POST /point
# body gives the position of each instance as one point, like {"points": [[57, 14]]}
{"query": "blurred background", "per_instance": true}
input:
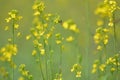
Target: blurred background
{"points": [[80, 11]]}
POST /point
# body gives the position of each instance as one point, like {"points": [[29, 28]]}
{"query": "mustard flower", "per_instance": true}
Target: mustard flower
{"points": [[77, 69], [13, 15], [65, 25], [99, 47], [95, 66], [18, 34], [58, 76], [25, 73], [38, 8], [59, 38], [78, 74], [100, 22], [8, 51], [102, 67], [112, 64], [101, 37], [34, 52], [70, 25], [69, 39], [28, 37]]}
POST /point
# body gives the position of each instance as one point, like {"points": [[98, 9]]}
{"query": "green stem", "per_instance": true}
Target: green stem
{"points": [[50, 58], [46, 67], [60, 65], [46, 64], [41, 68], [114, 32], [51, 63], [13, 42], [87, 40], [105, 53], [115, 44]]}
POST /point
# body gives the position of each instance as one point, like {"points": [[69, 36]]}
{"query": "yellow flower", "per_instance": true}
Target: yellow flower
{"points": [[99, 47], [8, 51], [102, 67], [34, 7], [58, 41], [100, 23], [13, 15], [77, 69], [18, 34], [106, 30], [72, 70], [58, 76], [74, 28], [42, 51], [69, 39], [28, 37], [48, 35], [36, 13], [113, 69], [57, 18], [38, 7], [57, 35], [94, 65], [34, 52], [25, 73], [78, 74], [65, 25], [105, 41], [103, 10], [2, 49], [97, 38], [94, 70], [19, 17], [110, 24], [8, 20], [16, 26], [7, 56]]}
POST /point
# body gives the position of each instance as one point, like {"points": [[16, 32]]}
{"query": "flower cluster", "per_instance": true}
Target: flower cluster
{"points": [[107, 9], [77, 69], [59, 38], [25, 73], [106, 12], [70, 25], [112, 64], [101, 37], [38, 8], [13, 18], [44, 26], [44, 31], [7, 52], [58, 77]]}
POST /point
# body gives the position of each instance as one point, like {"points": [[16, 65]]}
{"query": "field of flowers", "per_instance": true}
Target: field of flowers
{"points": [[60, 40]]}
